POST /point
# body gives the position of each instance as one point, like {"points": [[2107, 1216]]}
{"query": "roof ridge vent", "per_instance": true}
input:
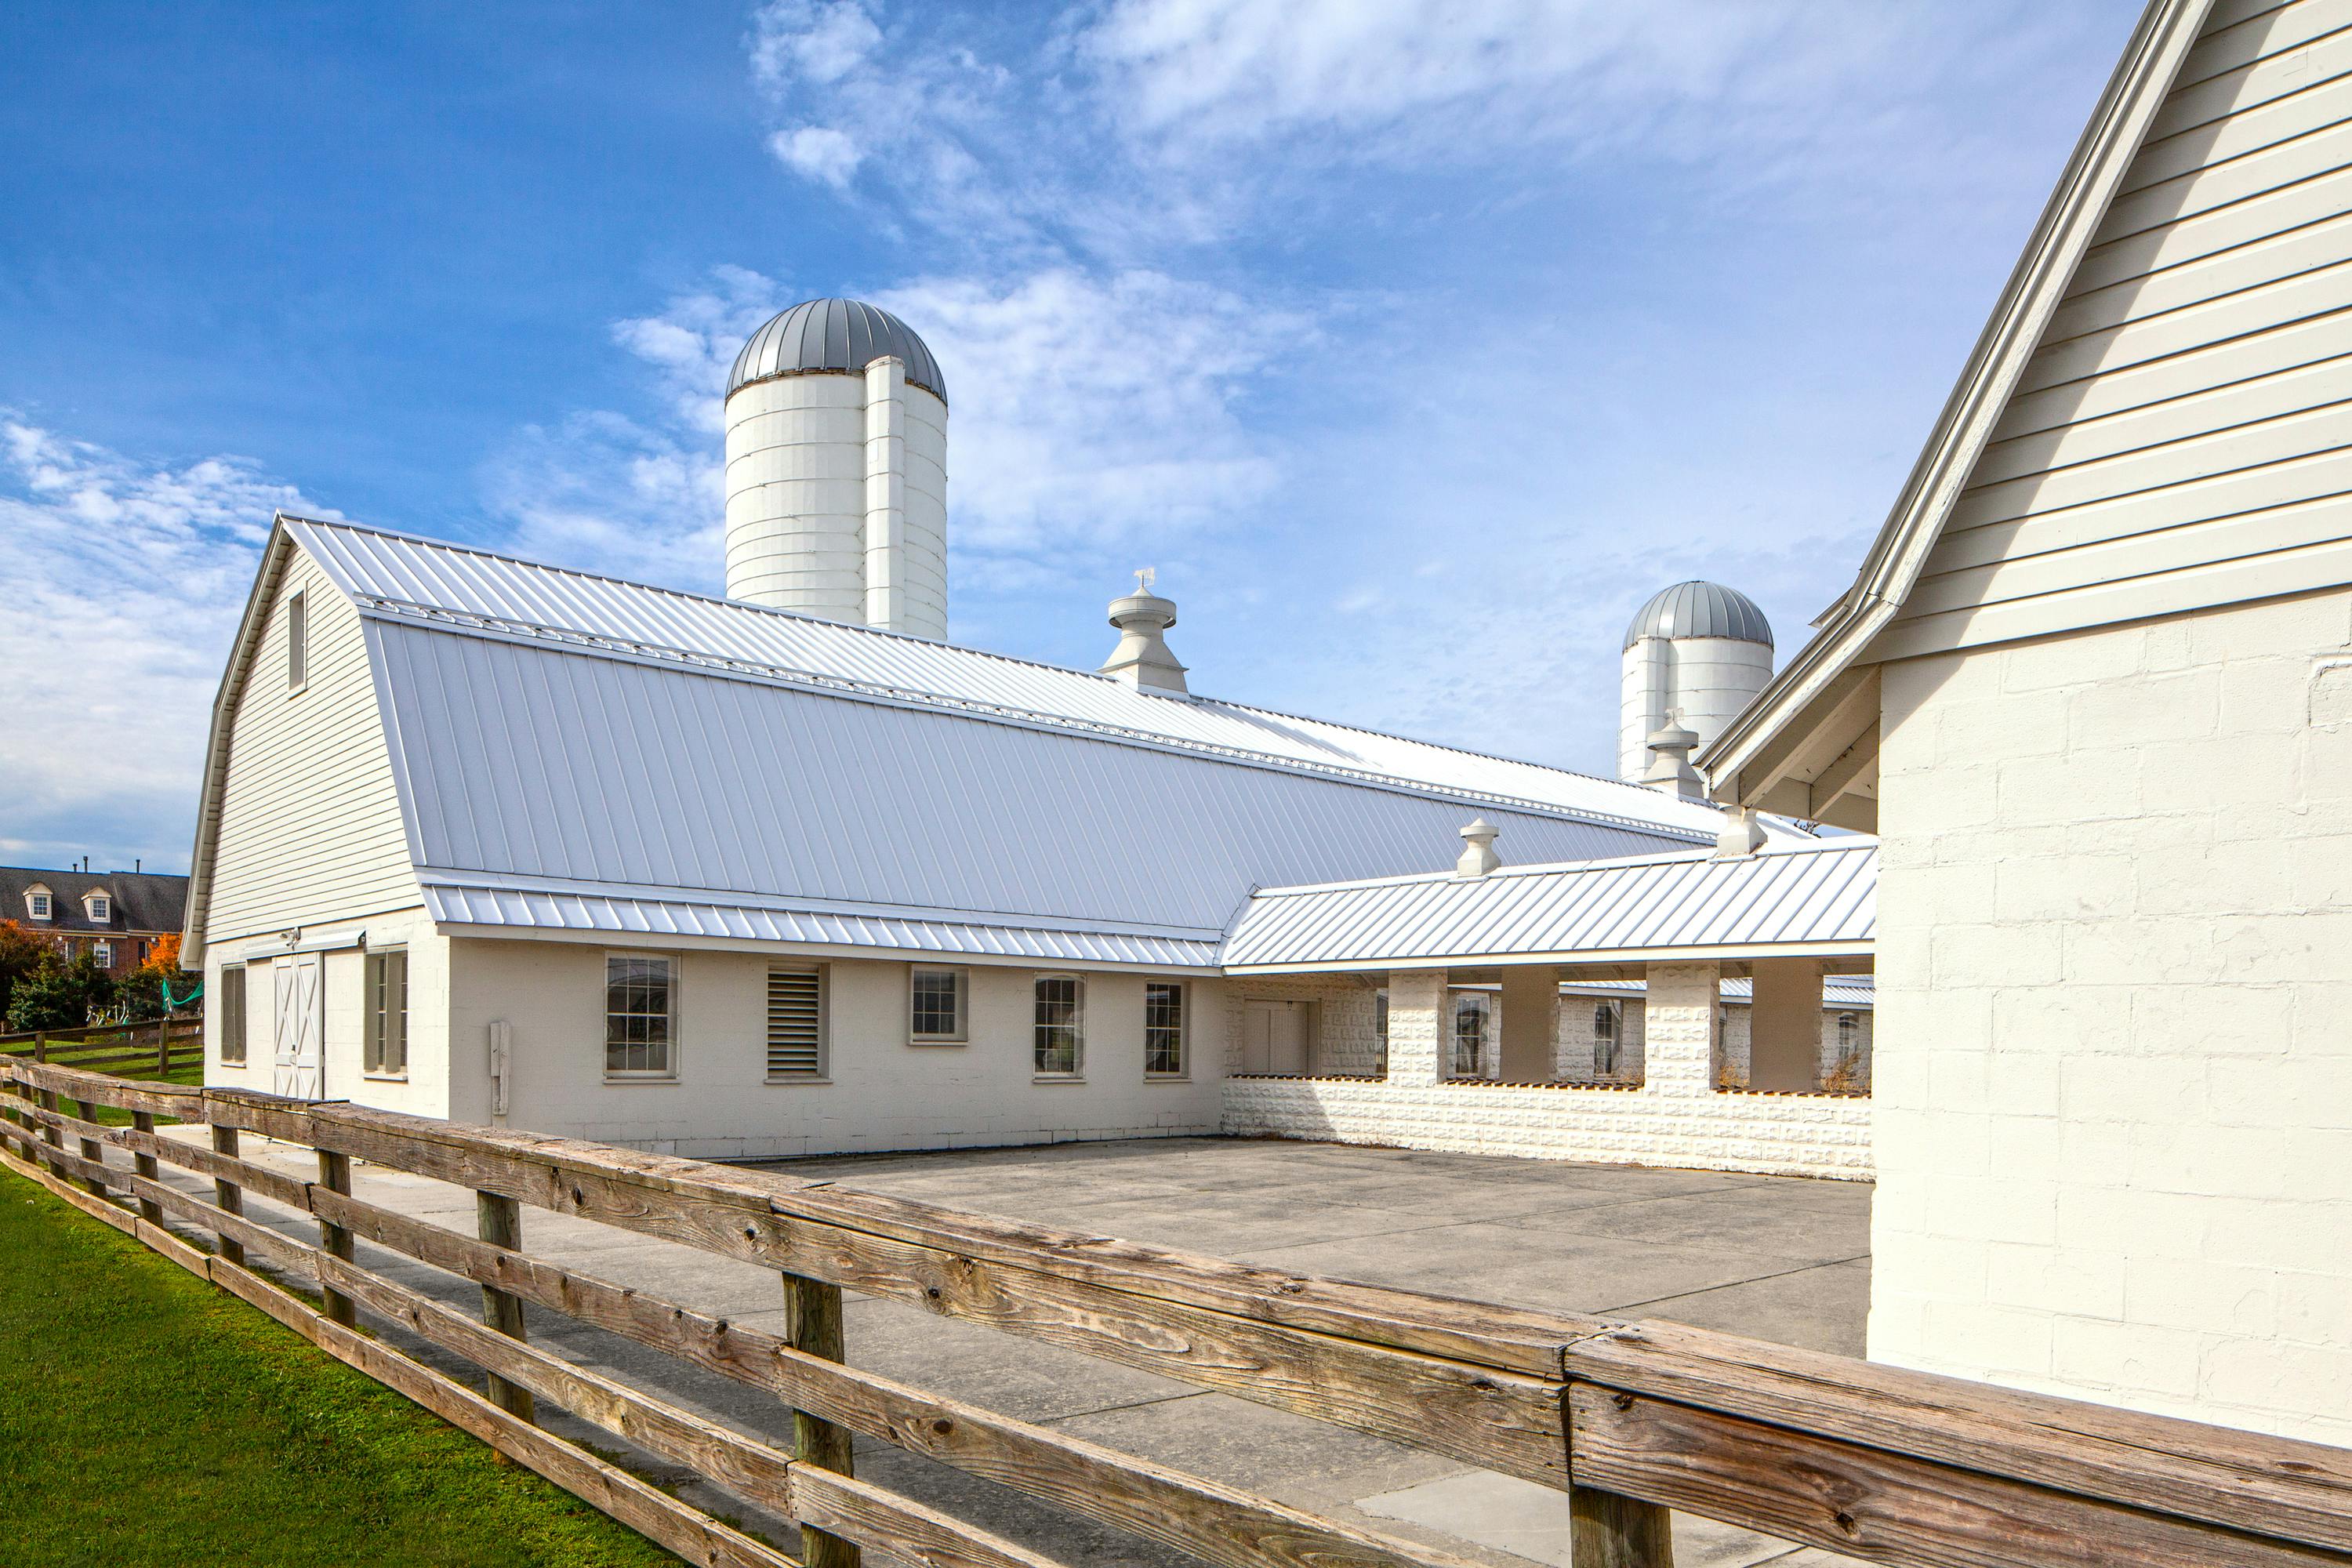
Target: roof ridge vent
{"points": [[1141, 659], [1478, 856]]}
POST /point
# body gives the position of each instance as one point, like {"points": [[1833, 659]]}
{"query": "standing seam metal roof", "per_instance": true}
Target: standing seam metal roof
{"points": [[844, 335], [1697, 609], [1818, 895]]}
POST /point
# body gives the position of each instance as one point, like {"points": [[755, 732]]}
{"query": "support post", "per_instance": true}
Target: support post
{"points": [[1606, 1530], [498, 1221], [335, 1175], [90, 1149], [162, 1050], [227, 1195], [144, 1163], [41, 1045], [812, 1323], [50, 1135]]}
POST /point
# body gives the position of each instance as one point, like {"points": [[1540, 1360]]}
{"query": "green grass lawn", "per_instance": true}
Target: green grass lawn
{"points": [[148, 1419]]}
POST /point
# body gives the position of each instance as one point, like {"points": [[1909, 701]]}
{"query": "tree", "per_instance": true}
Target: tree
{"points": [[152, 988], [21, 952], [59, 995]]}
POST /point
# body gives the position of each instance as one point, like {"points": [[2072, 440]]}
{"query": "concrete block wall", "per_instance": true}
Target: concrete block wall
{"points": [[1572, 1061], [2115, 965]]}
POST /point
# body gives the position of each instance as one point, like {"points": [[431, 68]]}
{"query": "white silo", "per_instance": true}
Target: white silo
{"points": [[836, 469], [1698, 652]]}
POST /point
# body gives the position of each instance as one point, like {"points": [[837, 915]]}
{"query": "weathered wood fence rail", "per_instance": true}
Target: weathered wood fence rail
{"points": [[1633, 1419], [153, 1046]]}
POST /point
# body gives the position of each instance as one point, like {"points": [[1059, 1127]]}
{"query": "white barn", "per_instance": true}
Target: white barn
{"points": [[2093, 685], [495, 841]]}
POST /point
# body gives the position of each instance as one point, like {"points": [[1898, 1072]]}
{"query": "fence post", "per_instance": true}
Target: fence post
{"points": [[335, 1175], [144, 1163], [90, 1149], [812, 1323], [227, 1195], [50, 1135], [162, 1050], [1606, 1530], [498, 1221], [40, 1045]]}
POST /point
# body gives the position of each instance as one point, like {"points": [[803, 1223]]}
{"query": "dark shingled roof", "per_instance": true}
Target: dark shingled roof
{"points": [[843, 335], [1696, 609], [147, 902]]}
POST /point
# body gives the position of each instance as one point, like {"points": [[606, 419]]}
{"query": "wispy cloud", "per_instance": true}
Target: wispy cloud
{"points": [[126, 580]]}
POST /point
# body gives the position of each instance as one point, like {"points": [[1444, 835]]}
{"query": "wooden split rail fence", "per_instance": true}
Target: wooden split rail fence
{"points": [[1632, 1419], [155, 1046]]}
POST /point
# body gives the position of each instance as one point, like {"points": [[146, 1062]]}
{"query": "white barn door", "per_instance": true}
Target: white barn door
{"points": [[301, 1037], [1274, 1038]]}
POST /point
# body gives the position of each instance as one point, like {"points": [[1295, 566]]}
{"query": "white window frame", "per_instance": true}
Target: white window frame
{"points": [[297, 640], [1612, 1035], [1465, 1001], [232, 1015], [98, 907], [1076, 1070], [373, 1057], [1184, 1068], [40, 904], [103, 952], [822, 1072], [1380, 1031], [669, 1072], [962, 978]]}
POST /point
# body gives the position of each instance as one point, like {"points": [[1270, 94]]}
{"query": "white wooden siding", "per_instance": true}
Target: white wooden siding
{"points": [[310, 826], [2183, 436]]}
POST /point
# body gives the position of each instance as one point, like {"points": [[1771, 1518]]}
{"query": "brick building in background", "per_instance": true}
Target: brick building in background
{"points": [[117, 914]]}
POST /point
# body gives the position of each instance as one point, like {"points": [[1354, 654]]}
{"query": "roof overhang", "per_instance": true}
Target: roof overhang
{"points": [[1808, 745], [1626, 962]]}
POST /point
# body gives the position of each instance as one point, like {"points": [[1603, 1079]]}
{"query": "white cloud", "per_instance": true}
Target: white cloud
{"points": [[819, 152], [126, 580], [818, 40]]}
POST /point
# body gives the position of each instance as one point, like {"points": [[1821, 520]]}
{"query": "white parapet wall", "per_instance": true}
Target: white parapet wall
{"points": [[1677, 1117]]}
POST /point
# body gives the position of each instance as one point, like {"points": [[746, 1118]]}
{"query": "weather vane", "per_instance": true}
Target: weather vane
{"points": [[1144, 577]]}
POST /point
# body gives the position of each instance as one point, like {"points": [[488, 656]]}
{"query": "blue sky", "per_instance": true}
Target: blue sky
{"points": [[1413, 343]]}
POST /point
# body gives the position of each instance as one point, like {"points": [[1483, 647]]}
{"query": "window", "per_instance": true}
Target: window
{"points": [[1849, 1037], [796, 1023], [387, 1014], [1163, 1027], [1380, 1031], [232, 1015], [36, 903], [640, 1015], [1061, 1023], [297, 642], [1607, 1020], [99, 905], [936, 1006], [1470, 1010], [102, 954]]}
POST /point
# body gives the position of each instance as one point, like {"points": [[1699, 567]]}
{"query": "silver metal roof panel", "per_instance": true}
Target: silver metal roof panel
{"points": [[1697, 609], [844, 335]]}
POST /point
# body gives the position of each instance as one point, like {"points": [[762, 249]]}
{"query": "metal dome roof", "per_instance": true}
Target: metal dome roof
{"points": [[833, 334], [1696, 609]]}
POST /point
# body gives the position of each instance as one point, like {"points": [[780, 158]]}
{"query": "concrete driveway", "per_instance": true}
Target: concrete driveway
{"points": [[1781, 1259]]}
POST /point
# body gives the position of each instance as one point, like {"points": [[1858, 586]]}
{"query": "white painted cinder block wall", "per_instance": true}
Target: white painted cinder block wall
{"points": [[2114, 988]]}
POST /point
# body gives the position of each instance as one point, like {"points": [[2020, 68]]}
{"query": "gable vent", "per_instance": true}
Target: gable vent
{"points": [[796, 1023]]}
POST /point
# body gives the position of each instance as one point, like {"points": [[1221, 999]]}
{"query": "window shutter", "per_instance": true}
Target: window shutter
{"points": [[796, 1023]]}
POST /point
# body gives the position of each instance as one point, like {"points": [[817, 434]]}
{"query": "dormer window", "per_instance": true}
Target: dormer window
{"points": [[100, 907], [36, 904]]}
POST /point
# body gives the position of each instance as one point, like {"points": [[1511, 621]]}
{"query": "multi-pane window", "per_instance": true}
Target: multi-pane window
{"points": [[1607, 1019], [231, 1008], [1380, 1031], [37, 905], [936, 1005], [1849, 1038], [796, 1023], [297, 642], [1470, 1010], [101, 907], [386, 1053], [1163, 1027], [102, 954], [640, 1014], [1061, 1027]]}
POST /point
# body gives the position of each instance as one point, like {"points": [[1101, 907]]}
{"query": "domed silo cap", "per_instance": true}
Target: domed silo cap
{"points": [[841, 335], [1697, 609]]}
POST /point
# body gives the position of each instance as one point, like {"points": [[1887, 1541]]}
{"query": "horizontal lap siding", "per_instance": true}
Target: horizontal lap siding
{"points": [[310, 826], [2183, 435]]}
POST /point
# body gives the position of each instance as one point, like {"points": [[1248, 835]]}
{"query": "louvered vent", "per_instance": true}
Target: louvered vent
{"points": [[796, 1023]]}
